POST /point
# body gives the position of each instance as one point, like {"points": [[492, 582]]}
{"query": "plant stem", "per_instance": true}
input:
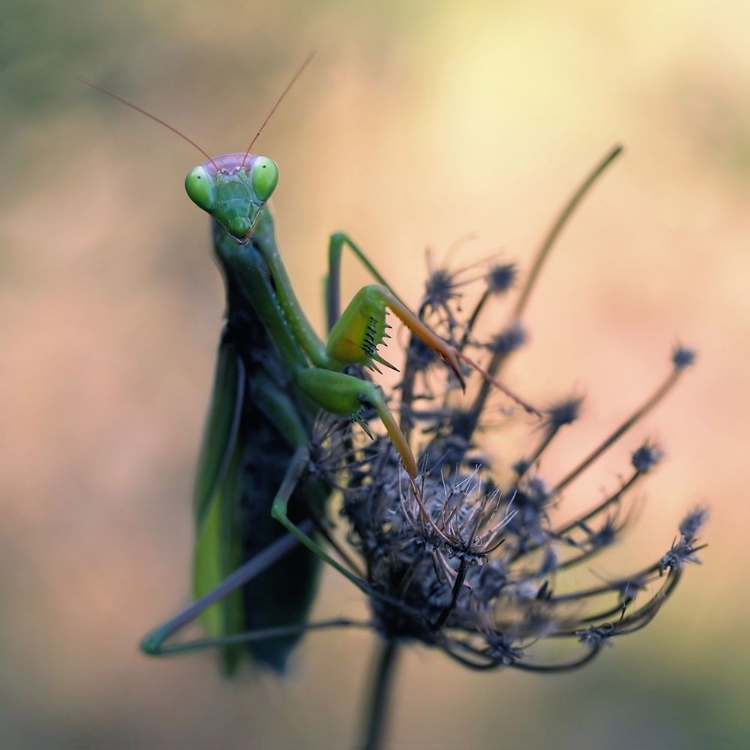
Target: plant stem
{"points": [[377, 705]]}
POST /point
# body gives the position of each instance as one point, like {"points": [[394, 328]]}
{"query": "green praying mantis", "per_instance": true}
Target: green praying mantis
{"points": [[257, 505]]}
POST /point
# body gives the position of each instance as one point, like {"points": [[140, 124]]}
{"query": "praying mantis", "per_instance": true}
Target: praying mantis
{"points": [[257, 504]]}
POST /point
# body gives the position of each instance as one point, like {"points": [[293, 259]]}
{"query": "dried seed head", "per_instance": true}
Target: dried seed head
{"points": [[472, 556]]}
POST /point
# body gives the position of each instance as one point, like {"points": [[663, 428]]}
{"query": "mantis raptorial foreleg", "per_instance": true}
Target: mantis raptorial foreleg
{"points": [[336, 245], [391, 300], [367, 309]]}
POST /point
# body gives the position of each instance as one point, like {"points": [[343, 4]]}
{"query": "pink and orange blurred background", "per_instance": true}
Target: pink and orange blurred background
{"points": [[416, 124]]}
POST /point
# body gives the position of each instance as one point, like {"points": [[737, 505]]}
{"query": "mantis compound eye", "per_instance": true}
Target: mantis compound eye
{"points": [[264, 177], [200, 188]]}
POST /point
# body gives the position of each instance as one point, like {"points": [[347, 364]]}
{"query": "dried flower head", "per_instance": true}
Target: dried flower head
{"points": [[468, 558]]}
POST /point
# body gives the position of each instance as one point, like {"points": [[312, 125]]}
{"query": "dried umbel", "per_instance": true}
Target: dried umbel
{"points": [[467, 557]]}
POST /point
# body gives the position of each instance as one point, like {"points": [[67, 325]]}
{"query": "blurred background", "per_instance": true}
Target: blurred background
{"points": [[416, 124]]}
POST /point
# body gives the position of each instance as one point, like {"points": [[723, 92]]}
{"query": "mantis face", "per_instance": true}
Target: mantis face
{"points": [[233, 188]]}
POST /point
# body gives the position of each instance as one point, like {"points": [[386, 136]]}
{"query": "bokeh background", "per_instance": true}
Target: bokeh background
{"points": [[417, 123]]}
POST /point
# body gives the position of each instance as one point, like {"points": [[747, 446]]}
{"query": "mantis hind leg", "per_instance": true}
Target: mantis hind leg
{"points": [[154, 643]]}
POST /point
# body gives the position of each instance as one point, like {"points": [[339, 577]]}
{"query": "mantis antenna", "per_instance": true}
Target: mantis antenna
{"points": [[142, 111], [278, 101]]}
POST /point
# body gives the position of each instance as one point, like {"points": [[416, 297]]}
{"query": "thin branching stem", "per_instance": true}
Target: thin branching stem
{"points": [[557, 227], [542, 254]]}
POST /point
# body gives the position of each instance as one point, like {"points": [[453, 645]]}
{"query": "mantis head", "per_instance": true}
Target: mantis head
{"points": [[232, 189]]}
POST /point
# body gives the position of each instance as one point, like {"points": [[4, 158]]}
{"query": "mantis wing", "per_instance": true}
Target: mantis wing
{"points": [[253, 428], [222, 426], [218, 547]]}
